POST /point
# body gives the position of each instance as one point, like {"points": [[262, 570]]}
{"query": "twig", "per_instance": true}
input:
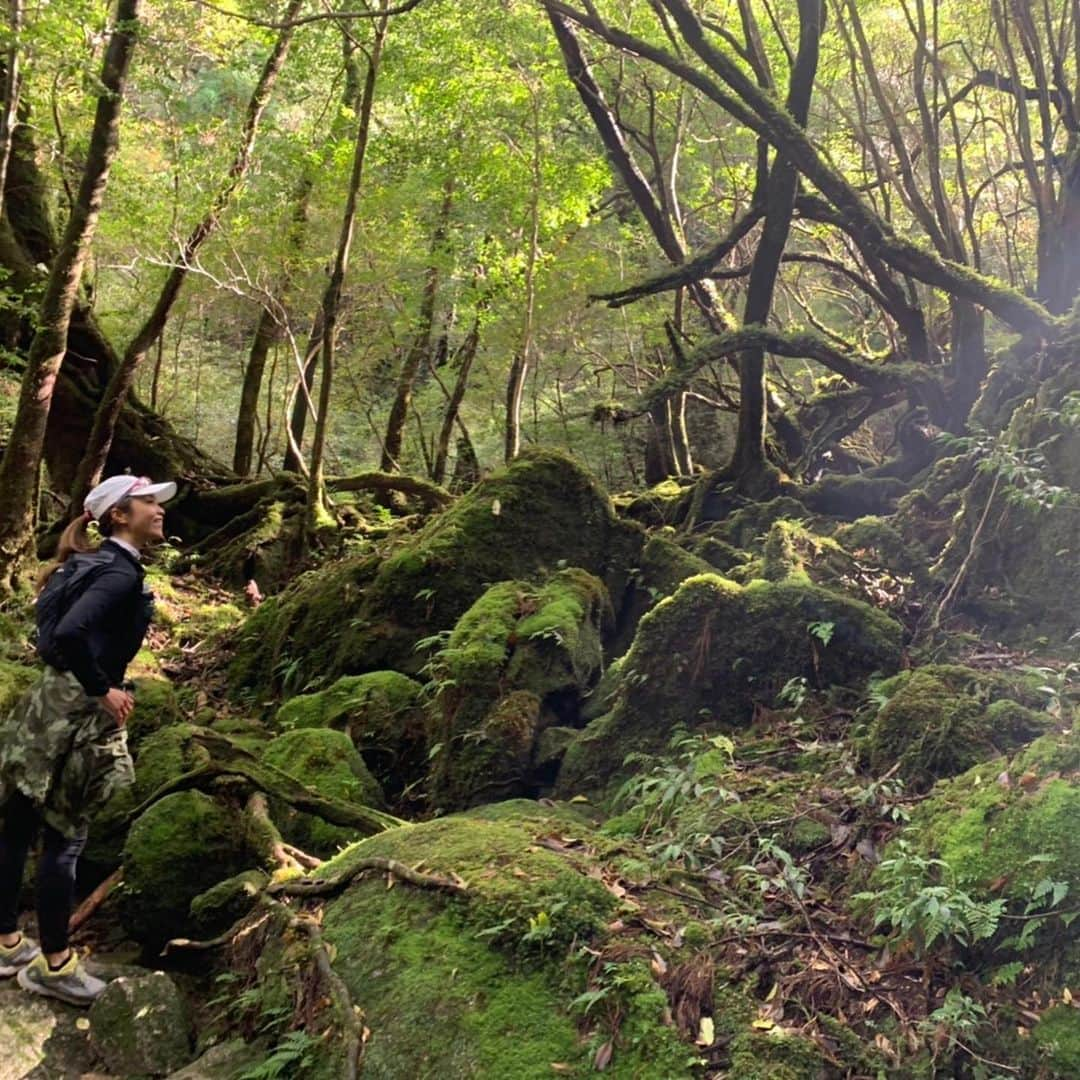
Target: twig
{"points": [[94, 900]]}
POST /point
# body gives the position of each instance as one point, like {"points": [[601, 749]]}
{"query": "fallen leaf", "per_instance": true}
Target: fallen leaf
{"points": [[562, 1067], [763, 1023], [659, 965], [603, 1056], [1003, 779], [1066, 996], [82, 1024], [706, 1032]]}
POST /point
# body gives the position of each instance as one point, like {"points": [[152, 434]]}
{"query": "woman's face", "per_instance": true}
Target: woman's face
{"points": [[143, 521]]}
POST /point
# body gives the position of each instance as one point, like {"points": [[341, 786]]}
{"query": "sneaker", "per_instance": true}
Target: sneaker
{"points": [[71, 983], [17, 956]]}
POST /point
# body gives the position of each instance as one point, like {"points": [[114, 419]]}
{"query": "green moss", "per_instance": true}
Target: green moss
{"points": [[382, 714], [208, 621], [852, 497], [665, 503], [988, 823], [327, 762], [177, 849], [703, 657], [156, 707], [454, 986], [1057, 1037], [15, 680], [940, 720], [719, 554], [523, 522], [775, 1055], [165, 755], [747, 528], [878, 540], [519, 660], [215, 910]]}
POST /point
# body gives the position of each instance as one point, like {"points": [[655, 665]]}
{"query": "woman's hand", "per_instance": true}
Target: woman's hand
{"points": [[118, 704]]}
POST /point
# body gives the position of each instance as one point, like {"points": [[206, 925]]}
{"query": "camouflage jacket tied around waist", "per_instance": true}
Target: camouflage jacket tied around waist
{"points": [[63, 751]]}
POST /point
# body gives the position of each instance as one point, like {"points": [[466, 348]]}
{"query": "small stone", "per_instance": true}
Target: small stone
{"points": [[140, 1026]]}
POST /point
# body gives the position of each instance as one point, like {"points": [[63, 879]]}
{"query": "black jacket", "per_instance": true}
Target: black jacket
{"points": [[103, 630]]}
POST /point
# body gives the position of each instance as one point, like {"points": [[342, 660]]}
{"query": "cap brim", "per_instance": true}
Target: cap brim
{"points": [[163, 492]]}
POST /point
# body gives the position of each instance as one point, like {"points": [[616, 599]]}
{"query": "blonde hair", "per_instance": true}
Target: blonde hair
{"points": [[75, 539]]}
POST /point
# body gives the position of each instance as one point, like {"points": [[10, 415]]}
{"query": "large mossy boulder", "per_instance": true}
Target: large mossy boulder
{"points": [[1007, 824], [141, 1026], [381, 712], [704, 657], [520, 661], [541, 512], [176, 850], [480, 984], [940, 720], [326, 762]]}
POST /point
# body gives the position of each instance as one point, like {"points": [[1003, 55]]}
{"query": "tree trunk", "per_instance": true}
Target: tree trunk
{"points": [[12, 79], [123, 377], [421, 345], [749, 457], [465, 357], [519, 367], [269, 331], [267, 334], [331, 301], [21, 465]]}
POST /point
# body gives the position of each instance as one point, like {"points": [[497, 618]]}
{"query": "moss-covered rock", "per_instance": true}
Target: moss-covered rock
{"points": [[851, 497], [1008, 823], [1057, 1039], [327, 762], [539, 513], [480, 985], [665, 503], [519, 660], [176, 850], [719, 554], [141, 1027], [381, 712], [940, 720], [704, 656], [156, 706], [215, 910], [1019, 574]]}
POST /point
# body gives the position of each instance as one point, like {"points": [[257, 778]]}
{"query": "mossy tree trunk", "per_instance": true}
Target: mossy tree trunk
{"points": [[21, 466]]}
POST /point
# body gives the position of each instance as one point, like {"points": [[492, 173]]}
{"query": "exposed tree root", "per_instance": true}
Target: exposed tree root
{"points": [[230, 759], [330, 885]]}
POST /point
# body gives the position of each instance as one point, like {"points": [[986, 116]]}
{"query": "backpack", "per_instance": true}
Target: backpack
{"points": [[64, 586]]}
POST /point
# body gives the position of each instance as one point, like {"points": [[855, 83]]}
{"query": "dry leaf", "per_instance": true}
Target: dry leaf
{"points": [[603, 1056], [659, 965], [562, 1067], [706, 1032]]}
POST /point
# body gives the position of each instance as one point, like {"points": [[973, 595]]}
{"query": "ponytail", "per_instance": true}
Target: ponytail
{"points": [[73, 539]]}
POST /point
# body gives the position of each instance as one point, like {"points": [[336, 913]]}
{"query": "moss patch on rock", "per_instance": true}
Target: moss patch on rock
{"points": [[703, 657], [942, 719], [327, 762], [381, 712], [480, 985], [520, 660], [523, 522], [177, 849]]}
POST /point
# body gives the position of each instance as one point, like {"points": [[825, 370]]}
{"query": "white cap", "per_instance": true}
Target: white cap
{"points": [[109, 492]]}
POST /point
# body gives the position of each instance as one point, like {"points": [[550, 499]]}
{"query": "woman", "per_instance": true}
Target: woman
{"points": [[63, 749]]}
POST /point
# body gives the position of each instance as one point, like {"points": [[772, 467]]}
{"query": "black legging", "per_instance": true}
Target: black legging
{"points": [[56, 872]]}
